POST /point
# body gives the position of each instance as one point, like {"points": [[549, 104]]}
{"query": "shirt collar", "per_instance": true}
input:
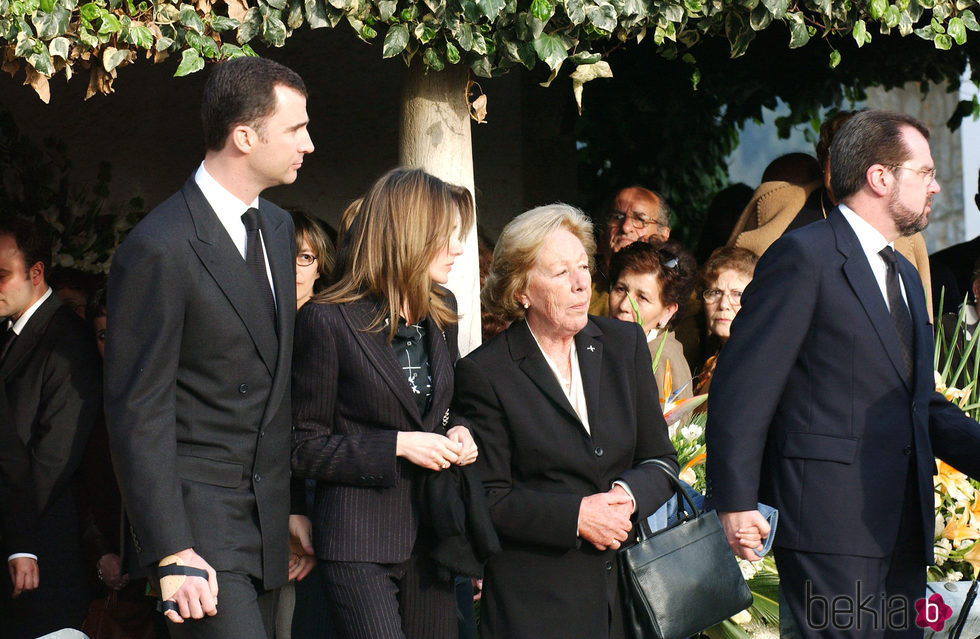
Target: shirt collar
{"points": [[871, 240], [225, 205], [22, 322]]}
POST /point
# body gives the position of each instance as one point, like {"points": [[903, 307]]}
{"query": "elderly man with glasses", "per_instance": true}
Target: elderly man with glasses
{"points": [[634, 214]]}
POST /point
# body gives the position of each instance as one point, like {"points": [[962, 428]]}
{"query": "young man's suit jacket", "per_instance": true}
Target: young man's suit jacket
{"points": [[197, 388]]}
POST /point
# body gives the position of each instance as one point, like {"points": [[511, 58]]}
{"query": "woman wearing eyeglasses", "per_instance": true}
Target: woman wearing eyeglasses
{"points": [[651, 282], [723, 278], [314, 256]]}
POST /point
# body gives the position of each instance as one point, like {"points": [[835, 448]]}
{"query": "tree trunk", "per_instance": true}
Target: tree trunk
{"points": [[435, 136]]}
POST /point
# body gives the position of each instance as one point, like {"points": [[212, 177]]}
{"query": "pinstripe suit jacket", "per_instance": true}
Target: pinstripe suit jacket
{"points": [[350, 400]]}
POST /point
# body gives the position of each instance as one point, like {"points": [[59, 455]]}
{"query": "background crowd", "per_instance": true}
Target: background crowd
{"points": [[377, 410]]}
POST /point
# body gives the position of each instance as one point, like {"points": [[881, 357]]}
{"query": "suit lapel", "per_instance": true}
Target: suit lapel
{"points": [[866, 289], [589, 347], [917, 308], [358, 316], [523, 347], [30, 336], [225, 264]]}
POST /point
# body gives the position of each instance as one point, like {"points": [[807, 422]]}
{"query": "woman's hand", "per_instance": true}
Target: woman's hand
{"points": [[604, 519], [428, 450], [109, 569], [301, 559], [468, 450]]}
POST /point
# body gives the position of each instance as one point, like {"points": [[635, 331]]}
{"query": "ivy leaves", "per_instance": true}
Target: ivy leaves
{"points": [[491, 36]]}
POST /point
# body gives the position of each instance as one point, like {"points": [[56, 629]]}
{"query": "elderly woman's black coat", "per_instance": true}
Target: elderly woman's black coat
{"points": [[537, 462]]}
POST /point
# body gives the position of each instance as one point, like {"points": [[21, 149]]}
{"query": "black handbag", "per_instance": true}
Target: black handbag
{"points": [[683, 579]]}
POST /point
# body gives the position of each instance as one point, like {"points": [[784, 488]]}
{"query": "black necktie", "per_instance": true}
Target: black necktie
{"points": [[8, 338], [255, 260], [897, 308]]}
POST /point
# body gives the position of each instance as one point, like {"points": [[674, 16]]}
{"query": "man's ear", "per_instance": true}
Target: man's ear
{"points": [[243, 138], [878, 178], [36, 273]]}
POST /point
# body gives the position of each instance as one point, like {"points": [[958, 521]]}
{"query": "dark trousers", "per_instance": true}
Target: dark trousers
{"points": [[389, 601], [245, 611], [852, 596]]}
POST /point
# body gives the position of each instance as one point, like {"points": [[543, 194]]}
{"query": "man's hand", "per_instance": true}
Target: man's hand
{"points": [[109, 569], [745, 530], [301, 558], [23, 574], [604, 518], [194, 596], [467, 445]]}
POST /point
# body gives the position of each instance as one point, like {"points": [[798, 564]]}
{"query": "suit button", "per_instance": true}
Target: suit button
{"points": [[598, 451], [257, 477], [243, 389], [261, 433], [608, 566], [908, 449]]}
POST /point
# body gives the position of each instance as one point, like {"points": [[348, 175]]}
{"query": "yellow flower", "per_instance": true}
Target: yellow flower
{"points": [[972, 557], [953, 482], [960, 528]]}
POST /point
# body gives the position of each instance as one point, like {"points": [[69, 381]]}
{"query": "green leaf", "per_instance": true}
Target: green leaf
{"points": [[432, 60], [877, 8], [892, 16], [452, 53], [834, 59], [798, 33], [59, 47], [534, 26], [826, 7], [675, 12], [777, 7], [603, 17], [251, 25], [46, 5], [943, 42], [276, 4], [424, 32], [294, 20], [969, 20], [92, 11], [190, 19], [585, 57], [110, 24], [166, 13], [760, 18], [190, 62], [956, 30], [542, 9], [575, 10], [905, 24], [481, 67], [395, 40], [693, 6], [550, 50], [860, 33], [163, 43], [490, 8], [465, 37], [316, 13], [42, 62], [51, 24], [221, 23], [386, 9], [113, 57], [275, 32], [141, 36]]}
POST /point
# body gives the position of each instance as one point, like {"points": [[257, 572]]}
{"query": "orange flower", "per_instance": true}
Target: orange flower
{"points": [[953, 482], [960, 528]]}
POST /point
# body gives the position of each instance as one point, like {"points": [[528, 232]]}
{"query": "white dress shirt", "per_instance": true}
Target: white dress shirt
{"points": [[229, 210], [873, 241]]}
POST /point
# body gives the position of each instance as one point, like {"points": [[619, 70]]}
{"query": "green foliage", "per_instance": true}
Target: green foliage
{"points": [[35, 184], [490, 36]]}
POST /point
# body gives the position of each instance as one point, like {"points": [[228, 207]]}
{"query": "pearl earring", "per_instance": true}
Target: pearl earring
{"points": [[526, 305]]}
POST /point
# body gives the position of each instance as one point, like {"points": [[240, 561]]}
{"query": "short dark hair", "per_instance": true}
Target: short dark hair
{"points": [[96, 307], [870, 137], [669, 262], [33, 242], [312, 230], [828, 130], [242, 91]]}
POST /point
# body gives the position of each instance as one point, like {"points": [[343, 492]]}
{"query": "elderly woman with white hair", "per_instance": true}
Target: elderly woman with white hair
{"points": [[561, 407]]}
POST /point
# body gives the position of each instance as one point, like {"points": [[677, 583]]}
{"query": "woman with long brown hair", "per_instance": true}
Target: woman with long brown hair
{"points": [[372, 383]]}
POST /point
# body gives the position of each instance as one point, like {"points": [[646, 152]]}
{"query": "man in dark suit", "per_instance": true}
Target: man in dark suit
{"points": [[823, 403], [49, 399], [201, 301], [952, 271]]}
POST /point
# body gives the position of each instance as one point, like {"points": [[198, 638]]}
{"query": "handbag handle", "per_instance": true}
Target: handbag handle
{"points": [[684, 503]]}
